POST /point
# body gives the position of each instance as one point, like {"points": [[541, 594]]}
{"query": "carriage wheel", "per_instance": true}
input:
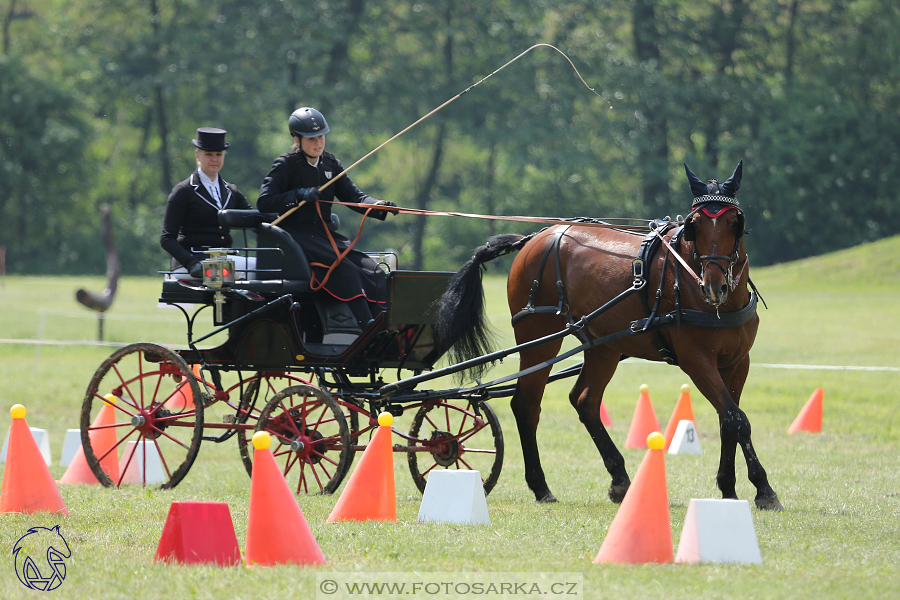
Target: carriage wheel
{"points": [[453, 437], [310, 438], [258, 392], [142, 393]]}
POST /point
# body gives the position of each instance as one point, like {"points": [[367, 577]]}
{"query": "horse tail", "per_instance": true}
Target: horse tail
{"points": [[461, 328]]}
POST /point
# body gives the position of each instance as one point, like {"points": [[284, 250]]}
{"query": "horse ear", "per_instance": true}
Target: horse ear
{"points": [[698, 188], [734, 182], [690, 234]]}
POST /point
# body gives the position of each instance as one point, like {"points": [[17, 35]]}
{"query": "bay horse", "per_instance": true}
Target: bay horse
{"points": [[562, 274]]}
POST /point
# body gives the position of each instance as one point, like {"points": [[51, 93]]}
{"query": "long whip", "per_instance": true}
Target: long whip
{"points": [[454, 98]]}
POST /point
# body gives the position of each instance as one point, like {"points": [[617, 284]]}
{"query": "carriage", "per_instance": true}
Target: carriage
{"points": [[295, 363]]}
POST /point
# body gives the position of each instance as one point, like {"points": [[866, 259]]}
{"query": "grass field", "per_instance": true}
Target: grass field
{"points": [[839, 536]]}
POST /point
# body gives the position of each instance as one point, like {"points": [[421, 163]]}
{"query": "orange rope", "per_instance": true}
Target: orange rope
{"points": [[340, 255]]}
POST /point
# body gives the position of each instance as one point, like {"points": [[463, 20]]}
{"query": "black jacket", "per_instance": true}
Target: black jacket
{"points": [[356, 276], [291, 172], [192, 219]]}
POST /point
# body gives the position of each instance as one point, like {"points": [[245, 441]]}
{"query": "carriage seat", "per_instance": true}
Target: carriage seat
{"points": [[278, 255], [282, 267]]}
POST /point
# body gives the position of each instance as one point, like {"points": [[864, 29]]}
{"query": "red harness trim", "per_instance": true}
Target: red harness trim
{"points": [[718, 214]]}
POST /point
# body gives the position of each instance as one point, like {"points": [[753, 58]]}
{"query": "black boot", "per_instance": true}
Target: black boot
{"points": [[360, 309]]}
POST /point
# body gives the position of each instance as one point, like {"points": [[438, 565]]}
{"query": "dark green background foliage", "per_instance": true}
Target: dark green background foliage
{"points": [[99, 100]]}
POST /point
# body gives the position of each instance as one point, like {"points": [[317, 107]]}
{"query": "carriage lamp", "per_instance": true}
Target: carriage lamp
{"points": [[218, 273]]}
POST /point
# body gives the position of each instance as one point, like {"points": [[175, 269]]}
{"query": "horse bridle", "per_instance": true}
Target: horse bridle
{"points": [[720, 260]]}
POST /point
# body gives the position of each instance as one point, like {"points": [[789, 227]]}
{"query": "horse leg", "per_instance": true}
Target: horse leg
{"points": [[766, 498], [586, 395], [734, 427], [526, 407]]}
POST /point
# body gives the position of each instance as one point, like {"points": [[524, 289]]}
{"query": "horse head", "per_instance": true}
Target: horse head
{"points": [[714, 229]]}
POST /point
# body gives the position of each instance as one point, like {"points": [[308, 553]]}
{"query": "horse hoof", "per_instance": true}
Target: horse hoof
{"points": [[770, 503], [617, 492], [548, 498]]}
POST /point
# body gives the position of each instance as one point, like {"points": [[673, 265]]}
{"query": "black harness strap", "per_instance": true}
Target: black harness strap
{"points": [[700, 318], [649, 246], [561, 308]]}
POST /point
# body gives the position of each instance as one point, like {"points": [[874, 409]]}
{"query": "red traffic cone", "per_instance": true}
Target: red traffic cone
{"points": [[28, 486], [102, 440], [640, 532], [369, 494], [604, 415], [277, 531], [810, 417], [683, 412], [644, 421], [199, 532]]}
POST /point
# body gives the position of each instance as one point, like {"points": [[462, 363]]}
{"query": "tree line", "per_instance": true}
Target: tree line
{"points": [[99, 100]]}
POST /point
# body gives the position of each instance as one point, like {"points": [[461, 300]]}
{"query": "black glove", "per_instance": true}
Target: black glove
{"points": [[196, 270], [387, 203], [310, 194]]}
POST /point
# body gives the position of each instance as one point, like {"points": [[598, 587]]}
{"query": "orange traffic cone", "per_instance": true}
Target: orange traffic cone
{"points": [[369, 494], [102, 440], [604, 415], [28, 486], [810, 417], [683, 412], [277, 531], [640, 532], [182, 398], [644, 421]]}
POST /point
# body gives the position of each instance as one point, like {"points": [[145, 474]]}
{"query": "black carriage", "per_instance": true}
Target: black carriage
{"points": [[293, 363]]}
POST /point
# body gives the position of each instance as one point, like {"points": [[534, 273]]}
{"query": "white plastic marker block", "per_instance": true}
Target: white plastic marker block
{"points": [[146, 451], [454, 496], [685, 439], [43, 441], [70, 446], [718, 531]]}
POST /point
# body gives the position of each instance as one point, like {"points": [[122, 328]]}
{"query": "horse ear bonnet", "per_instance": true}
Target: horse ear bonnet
{"points": [[713, 192]]}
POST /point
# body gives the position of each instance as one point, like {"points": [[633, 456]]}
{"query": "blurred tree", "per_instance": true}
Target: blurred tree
{"points": [[43, 136]]}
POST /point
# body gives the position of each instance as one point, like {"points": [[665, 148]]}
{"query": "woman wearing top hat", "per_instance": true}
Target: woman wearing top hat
{"points": [[296, 177], [191, 223]]}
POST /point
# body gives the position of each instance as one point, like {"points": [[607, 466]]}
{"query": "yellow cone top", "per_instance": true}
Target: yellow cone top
{"points": [[110, 398], [685, 388], [385, 419], [645, 388], [656, 441], [17, 411], [261, 440]]}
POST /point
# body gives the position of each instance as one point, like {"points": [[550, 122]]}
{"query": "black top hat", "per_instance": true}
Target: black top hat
{"points": [[211, 139]]}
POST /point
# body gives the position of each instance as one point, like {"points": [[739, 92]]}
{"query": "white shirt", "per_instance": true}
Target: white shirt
{"points": [[212, 187]]}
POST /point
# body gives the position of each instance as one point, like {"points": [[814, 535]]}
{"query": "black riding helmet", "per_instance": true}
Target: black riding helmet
{"points": [[307, 122]]}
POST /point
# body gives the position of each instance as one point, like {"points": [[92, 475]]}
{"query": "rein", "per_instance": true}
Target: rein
{"points": [[678, 257], [580, 221]]}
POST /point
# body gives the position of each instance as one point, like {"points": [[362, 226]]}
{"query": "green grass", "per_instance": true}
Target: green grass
{"points": [[839, 536]]}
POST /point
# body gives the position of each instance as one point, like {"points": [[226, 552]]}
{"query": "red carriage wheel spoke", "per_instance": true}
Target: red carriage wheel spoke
{"points": [[437, 435], [314, 439], [142, 392]]}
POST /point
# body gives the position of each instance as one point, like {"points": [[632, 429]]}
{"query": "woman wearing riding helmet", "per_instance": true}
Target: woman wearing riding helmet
{"points": [[294, 180]]}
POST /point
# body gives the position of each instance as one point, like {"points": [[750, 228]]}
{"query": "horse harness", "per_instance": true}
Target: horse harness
{"points": [[653, 322]]}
